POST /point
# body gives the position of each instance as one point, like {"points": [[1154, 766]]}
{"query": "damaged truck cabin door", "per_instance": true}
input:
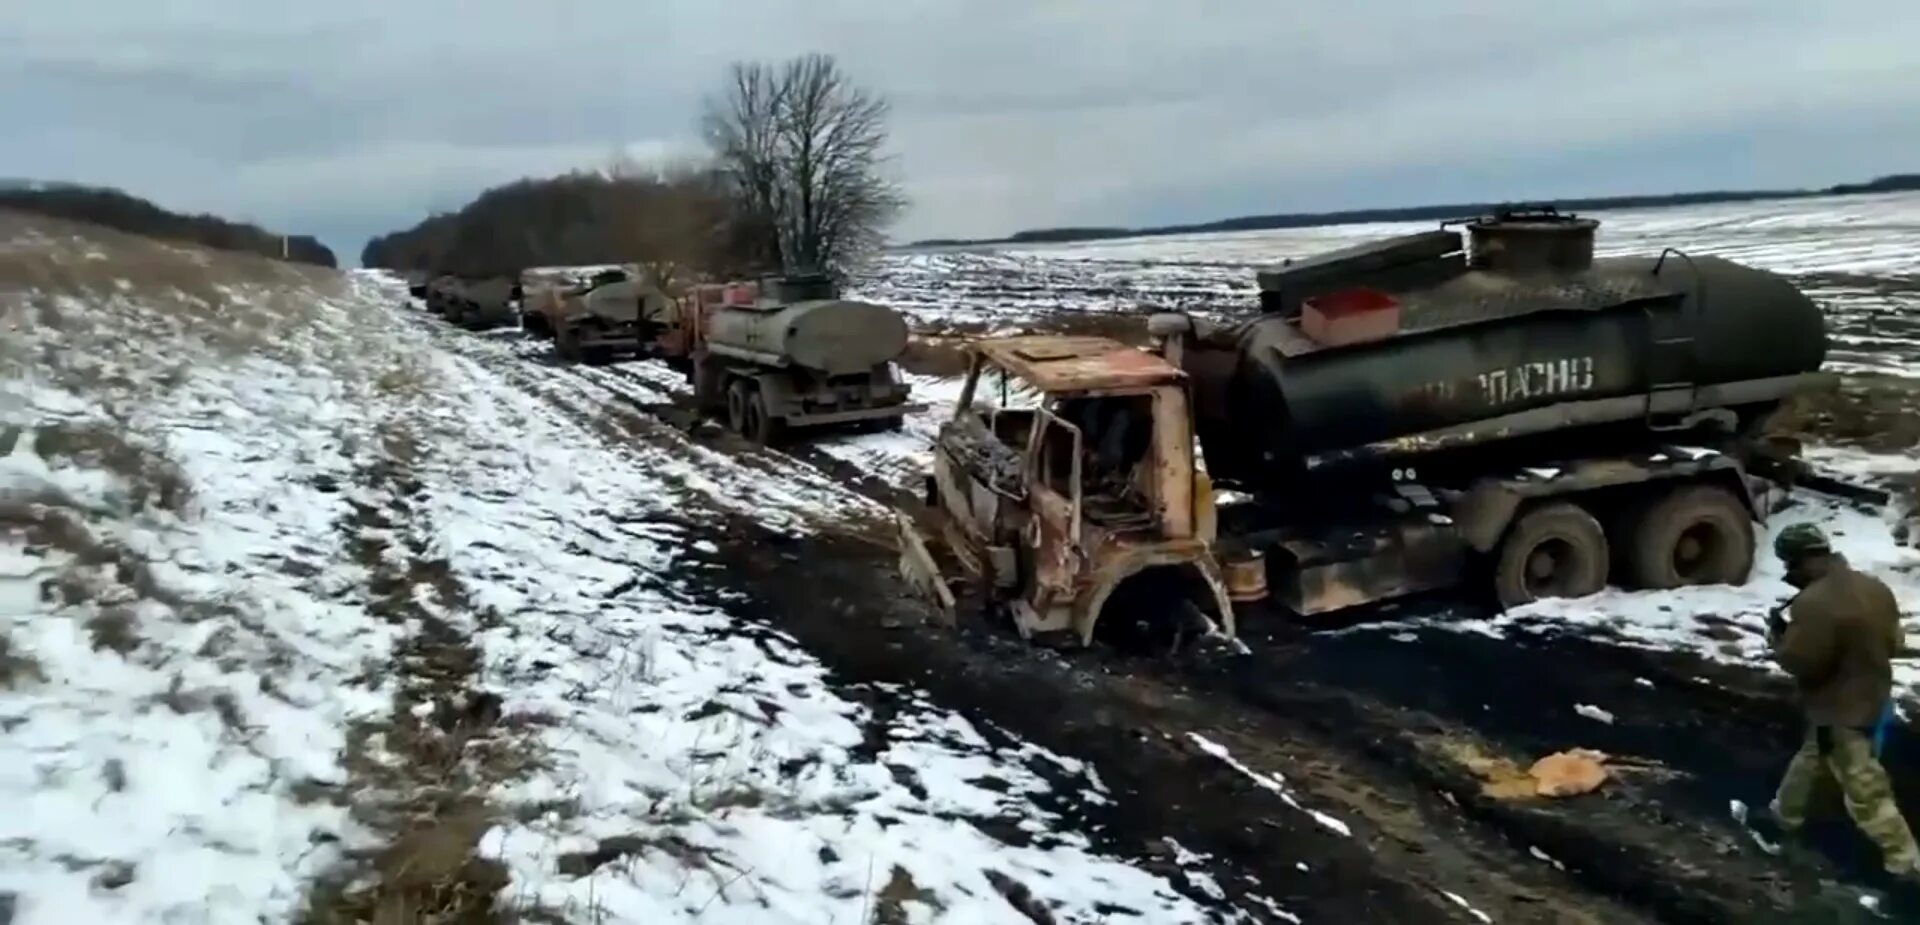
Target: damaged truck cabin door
{"points": [[1079, 509]]}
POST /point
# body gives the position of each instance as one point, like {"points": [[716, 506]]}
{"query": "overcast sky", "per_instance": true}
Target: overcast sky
{"points": [[346, 118]]}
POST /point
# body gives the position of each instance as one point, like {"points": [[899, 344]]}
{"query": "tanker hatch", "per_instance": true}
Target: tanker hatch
{"points": [[801, 287], [1526, 241]]}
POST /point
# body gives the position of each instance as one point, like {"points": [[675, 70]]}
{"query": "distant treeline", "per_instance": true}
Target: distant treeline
{"points": [[1887, 184], [618, 215], [121, 211], [792, 179]]}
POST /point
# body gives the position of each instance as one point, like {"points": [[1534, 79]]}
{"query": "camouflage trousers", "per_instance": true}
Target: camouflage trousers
{"points": [[1847, 755]]}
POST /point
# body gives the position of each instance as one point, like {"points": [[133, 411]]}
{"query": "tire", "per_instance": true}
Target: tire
{"points": [[566, 343], [1693, 535], [1556, 550], [709, 387], [763, 428], [737, 407]]}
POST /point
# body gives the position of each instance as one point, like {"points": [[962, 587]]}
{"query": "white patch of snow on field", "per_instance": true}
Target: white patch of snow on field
{"points": [[1272, 783], [155, 777], [1461, 901], [901, 457]]}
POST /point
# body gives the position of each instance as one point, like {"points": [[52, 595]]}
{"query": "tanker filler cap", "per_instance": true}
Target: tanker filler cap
{"points": [[1530, 239]]}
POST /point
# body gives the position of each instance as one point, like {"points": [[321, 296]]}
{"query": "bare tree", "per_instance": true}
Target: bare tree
{"points": [[741, 127], [666, 217], [803, 151]]}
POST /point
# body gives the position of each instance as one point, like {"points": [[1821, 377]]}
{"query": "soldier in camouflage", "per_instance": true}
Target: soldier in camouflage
{"points": [[1839, 646]]}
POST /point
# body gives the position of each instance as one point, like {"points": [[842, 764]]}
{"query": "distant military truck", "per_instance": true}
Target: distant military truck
{"points": [[540, 292], [480, 303], [440, 292], [791, 353], [616, 314]]}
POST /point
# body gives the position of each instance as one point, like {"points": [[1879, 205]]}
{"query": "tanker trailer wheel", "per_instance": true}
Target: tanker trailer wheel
{"points": [[709, 387], [1555, 550], [566, 342], [763, 428], [737, 407], [1693, 535]]}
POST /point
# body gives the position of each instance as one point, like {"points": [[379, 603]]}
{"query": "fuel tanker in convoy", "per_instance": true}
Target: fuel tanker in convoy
{"points": [[789, 353], [1488, 405]]}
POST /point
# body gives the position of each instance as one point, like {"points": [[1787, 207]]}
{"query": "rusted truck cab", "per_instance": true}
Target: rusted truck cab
{"points": [[1066, 487]]}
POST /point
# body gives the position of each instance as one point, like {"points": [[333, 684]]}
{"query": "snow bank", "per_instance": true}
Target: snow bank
{"points": [[182, 664]]}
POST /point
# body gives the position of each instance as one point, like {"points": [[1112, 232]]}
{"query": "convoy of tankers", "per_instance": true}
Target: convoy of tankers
{"points": [[1495, 409], [770, 358]]}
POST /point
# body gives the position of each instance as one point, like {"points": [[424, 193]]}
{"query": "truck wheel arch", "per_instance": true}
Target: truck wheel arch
{"points": [[1197, 573]]}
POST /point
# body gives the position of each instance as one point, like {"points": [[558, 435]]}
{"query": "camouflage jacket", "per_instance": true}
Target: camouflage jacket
{"points": [[1839, 646]]}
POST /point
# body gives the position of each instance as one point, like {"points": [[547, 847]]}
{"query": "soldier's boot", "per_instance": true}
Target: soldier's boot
{"points": [[1869, 799], [1788, 810]]}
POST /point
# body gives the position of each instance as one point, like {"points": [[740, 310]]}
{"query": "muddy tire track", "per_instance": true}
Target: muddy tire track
{"points": [[1135, 734], [420, 775], [1135, 739], [1696, 735]]}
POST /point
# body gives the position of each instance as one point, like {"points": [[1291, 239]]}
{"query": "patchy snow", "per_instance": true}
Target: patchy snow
{"points": [[1593, 713], [1269, 782], [1724, 622], [696, 765], [171, 572], [190, 632], [1856, 255], [1461, 901], [901, 457]]}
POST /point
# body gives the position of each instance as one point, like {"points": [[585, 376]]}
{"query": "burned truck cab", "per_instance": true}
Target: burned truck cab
{"points": [[1066, 483]]}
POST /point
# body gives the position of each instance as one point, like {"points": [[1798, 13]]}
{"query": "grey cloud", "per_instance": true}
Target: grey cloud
{"points": [[356, 115]]}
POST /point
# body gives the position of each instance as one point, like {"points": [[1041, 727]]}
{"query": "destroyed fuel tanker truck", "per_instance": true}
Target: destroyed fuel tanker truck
{"points": [[790, 353], [1496, 409], [616, 312]]}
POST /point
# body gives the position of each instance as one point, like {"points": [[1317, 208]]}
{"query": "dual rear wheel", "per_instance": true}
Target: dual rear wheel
{"points": [[747, 414], [1691, 535]]}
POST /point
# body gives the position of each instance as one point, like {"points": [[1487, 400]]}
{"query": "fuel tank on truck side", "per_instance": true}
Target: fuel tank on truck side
{"points": [[1482, 341], [831, 336]]}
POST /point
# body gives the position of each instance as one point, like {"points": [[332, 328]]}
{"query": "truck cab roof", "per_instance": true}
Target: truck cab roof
{"points": [[1060, 363]]}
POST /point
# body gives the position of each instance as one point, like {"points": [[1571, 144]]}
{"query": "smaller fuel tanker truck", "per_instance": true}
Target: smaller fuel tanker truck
{"points": [[789, 353], [1494, 409]]}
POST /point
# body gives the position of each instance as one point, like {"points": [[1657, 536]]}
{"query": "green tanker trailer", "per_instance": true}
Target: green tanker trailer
{"points": [[790, 353], [1405, 411]]}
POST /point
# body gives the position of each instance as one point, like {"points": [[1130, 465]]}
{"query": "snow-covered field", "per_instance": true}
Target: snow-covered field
{"points": [[286, 571], [1859, 255]]}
